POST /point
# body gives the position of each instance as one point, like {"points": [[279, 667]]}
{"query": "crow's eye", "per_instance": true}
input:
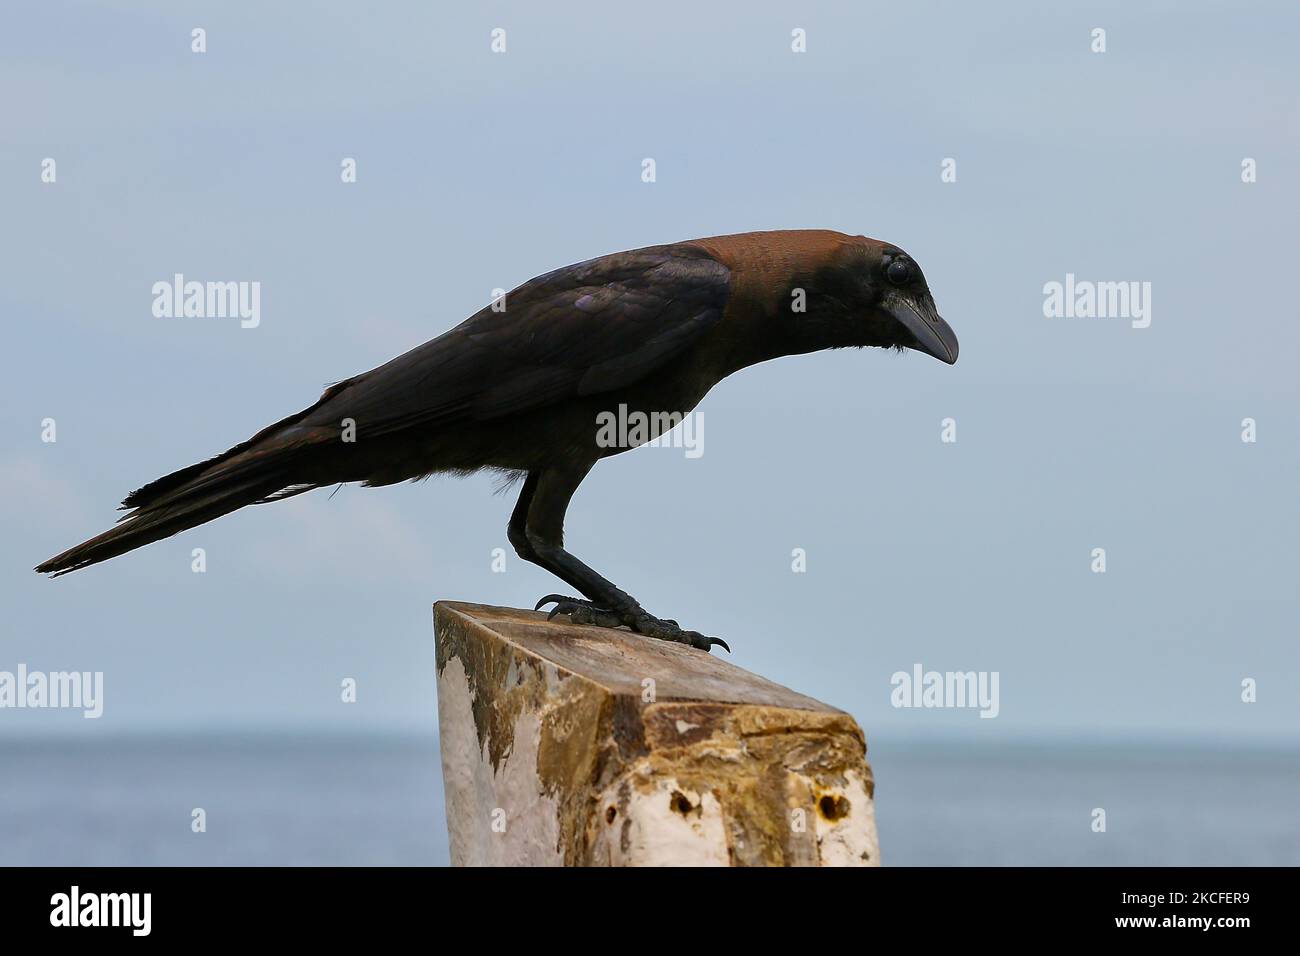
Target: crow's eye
{"points": [[899, 272]]}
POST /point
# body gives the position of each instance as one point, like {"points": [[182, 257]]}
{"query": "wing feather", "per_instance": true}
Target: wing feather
{"points": [[589, 328]]}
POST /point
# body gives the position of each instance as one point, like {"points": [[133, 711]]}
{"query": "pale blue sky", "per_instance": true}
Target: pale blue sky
{"points": [[479, 170]]}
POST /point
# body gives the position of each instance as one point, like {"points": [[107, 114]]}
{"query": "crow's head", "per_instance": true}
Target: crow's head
{"points": [[905, 310], [872, 293]]}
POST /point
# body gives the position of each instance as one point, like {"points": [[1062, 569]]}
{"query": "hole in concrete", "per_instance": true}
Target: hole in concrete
{"points": [[833, 807], [679, 803], [610, 814]]}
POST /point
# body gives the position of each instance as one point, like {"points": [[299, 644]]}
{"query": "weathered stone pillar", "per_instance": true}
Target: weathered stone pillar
{"points": [[582, 746]]}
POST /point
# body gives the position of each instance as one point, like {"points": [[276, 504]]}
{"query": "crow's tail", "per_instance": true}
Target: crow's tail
{"points": [[151, 523], [267, 467], [261, 469]]}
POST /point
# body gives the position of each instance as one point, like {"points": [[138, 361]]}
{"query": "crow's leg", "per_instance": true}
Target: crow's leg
{"points": [[537, 532]]}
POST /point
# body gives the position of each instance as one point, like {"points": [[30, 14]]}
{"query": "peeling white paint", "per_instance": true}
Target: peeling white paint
{"points": [[649, 831], [479, 796], [850, 840]]}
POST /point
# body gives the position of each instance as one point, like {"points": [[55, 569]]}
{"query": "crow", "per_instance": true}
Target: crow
{"points": [[520, 386]]}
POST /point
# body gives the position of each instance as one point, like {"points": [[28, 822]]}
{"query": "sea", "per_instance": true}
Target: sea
{"points": [[378, 801]]}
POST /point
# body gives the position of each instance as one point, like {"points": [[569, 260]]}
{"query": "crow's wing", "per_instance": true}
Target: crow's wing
{"points": [[581, 330], [588, 328]]}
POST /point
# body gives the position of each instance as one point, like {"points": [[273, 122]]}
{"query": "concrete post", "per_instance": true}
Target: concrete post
{"points": [[566, 745]]}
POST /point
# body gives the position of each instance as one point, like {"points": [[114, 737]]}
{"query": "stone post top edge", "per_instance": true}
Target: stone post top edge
{"points": [[702, 679]]}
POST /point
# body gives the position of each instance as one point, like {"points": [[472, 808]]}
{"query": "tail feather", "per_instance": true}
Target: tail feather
{"points": [[154, 523], [267, 467], [188, 498], [148, 494], [252, 452]]}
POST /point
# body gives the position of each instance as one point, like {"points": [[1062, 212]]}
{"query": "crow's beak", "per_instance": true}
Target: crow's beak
{"points": [[933, 335]]}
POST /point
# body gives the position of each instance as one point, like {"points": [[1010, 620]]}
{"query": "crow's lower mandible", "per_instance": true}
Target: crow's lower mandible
{"points": [[520, 389]]}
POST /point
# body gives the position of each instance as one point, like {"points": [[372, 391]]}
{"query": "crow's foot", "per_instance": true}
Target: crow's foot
{"points": [[580, 611], [634, 617], [668, 630]]}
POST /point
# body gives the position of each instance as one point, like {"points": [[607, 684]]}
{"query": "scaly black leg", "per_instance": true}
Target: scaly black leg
{"points": [[536, 531]]}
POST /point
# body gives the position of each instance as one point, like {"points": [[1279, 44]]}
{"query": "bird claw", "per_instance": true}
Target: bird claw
{"points": [[580, 611], [558, 598], [669, 630]]}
